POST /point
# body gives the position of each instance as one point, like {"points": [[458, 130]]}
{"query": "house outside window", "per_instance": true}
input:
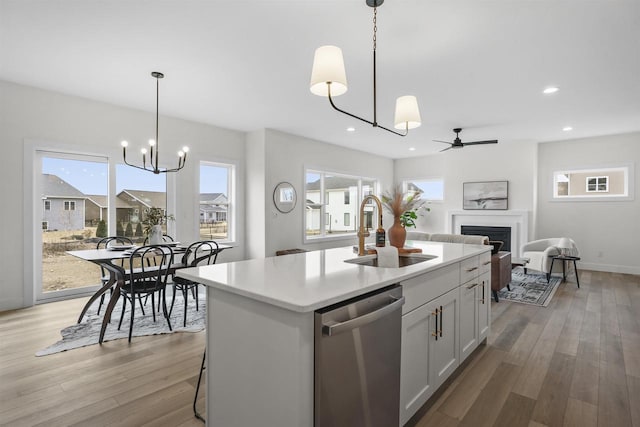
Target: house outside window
{"points": [[217, 184], [69, 205], [609, 183], [597, 184], [332, 197], [431, 189]]}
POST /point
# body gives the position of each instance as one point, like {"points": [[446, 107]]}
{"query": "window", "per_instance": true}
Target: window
{"points": [[332, 197], [69, 205], [593, 184], [597, 184], [216, 201], [429, 189], [45, 225], [136, 192], [47, 205]]}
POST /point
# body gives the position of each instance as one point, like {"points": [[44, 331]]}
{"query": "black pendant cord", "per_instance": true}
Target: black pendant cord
{"points": [[373, 123], [154, 156], [155, 169]]}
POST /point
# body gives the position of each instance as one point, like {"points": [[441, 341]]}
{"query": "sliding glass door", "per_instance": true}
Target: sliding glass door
{"points": [[73, 201]]}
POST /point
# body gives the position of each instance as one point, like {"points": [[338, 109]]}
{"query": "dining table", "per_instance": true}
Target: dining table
{"points": [[110, 259]]}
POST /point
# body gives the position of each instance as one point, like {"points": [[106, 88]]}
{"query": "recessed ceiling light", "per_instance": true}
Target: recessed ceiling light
{"points": [[412, 148], [550, 90], [351, 129], [567, 128]]}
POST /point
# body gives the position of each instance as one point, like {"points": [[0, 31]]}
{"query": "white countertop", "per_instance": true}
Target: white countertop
{"points": [[312, 280]]}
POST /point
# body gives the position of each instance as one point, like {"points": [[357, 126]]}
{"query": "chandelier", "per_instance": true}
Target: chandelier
{"points": [[328, 78], [154, 148]]}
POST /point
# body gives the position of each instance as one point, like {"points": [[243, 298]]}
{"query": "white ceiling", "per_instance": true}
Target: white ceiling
{"points": [[245, 65]]}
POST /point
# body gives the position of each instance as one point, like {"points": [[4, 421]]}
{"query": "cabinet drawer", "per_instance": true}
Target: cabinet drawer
{"points": [[485, 262], [422, 289], [469, 268]]}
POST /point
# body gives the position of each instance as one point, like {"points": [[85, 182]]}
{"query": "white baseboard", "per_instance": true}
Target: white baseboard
{"points": [[625, 269]]}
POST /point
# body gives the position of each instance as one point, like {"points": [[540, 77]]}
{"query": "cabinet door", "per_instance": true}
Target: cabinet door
{"points": [[483, 292], [444, 353], [469, 317], [416, 382]]}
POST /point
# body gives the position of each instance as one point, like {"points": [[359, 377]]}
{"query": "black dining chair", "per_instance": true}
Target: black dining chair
{"points": [[105, 243], [147, 279], [204, 252]]}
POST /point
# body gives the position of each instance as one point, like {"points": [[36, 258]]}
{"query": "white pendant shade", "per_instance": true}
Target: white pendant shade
{"points": [[328, 66], [407, 113]]}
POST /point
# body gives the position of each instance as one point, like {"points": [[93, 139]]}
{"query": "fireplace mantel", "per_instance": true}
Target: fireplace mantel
{"points": [[518, 220]]}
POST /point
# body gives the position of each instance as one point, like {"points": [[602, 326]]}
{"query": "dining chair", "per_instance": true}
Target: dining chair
{"points": [[147, 279], [204, 252], [104, 243]]}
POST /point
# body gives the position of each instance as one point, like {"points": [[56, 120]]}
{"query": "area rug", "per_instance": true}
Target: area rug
{"points": [[531, 288], [87, 332]]}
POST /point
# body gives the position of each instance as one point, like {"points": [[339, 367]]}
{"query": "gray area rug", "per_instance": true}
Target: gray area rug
{"points": [[531, 288], [87, 332]]}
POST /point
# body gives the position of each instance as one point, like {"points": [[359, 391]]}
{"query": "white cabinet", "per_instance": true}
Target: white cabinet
{"points": [[475, 313], [444, 352], [416, 377], [468, 318], [446, 315], [483, 302]]}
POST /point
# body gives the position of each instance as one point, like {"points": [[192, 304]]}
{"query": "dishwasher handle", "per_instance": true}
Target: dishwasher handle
{"points": [[348, 325]]}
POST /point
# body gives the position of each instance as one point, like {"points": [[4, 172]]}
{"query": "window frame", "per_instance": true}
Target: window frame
{"points": [[69, 205], [47, 205], [594, 172], [406, 181], [323, 173], [597, 184], [231, 204]]}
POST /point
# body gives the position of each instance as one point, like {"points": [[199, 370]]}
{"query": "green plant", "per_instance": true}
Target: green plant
{"points": [[404, 206], [119, 229], [138, 232], [129, 230], [101, 231], [154, 216]]}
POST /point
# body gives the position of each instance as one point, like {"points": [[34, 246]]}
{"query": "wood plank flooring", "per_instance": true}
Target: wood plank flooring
{"points": [[573, 363]]}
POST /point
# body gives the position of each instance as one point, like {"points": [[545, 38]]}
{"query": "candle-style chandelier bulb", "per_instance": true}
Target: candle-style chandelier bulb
{"points": [[154, 148]]}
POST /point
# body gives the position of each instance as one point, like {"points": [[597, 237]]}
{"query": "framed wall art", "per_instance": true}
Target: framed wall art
{"points": [[487, 195]]}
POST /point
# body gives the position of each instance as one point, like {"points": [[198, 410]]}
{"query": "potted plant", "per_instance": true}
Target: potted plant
{"points": [[153, 220], [404, 207]]}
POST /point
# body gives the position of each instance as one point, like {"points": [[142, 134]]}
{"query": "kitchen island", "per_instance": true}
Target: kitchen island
{"points": [[260, 325]]}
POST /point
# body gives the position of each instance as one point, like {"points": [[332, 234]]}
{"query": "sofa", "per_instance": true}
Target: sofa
{"points": [[448, 238], [539, 253]]}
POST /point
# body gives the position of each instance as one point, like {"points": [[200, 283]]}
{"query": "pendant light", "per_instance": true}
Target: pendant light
{"points": [[154, 146], [328, 78]]}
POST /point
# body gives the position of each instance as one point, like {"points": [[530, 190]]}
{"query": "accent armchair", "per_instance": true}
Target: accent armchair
{"points": [[540, 252]]}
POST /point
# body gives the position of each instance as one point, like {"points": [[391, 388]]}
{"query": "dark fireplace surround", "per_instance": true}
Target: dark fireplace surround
{"points": [[502, 234]]}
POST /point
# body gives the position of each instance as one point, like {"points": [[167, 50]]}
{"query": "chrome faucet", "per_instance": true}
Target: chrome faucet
{"points": [[362, 233]]}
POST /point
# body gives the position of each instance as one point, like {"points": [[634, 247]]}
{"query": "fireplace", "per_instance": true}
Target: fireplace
{"points": [[517, 220], [502, 234]]}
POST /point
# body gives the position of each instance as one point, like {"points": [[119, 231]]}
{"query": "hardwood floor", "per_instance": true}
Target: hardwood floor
{"points": [[573, 363]]}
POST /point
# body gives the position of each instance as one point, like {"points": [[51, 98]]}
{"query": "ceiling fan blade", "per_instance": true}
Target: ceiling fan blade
{"points": [[444, 142], [448, 148], [492, 141]]}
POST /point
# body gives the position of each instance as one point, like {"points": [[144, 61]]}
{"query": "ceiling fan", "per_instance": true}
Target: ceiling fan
{"points": [[457, 143]]}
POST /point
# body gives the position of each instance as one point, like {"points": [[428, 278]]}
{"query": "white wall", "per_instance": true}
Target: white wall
{"points": [[515, 163], [606, 232], [255, 194], [28, 113], [286, 159]]}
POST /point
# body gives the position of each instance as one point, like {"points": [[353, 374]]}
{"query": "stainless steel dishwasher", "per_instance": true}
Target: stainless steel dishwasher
{"points": [[357, 361]]}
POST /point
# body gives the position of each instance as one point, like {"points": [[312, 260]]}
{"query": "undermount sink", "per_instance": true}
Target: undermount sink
{"points": [[403, 260]]}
